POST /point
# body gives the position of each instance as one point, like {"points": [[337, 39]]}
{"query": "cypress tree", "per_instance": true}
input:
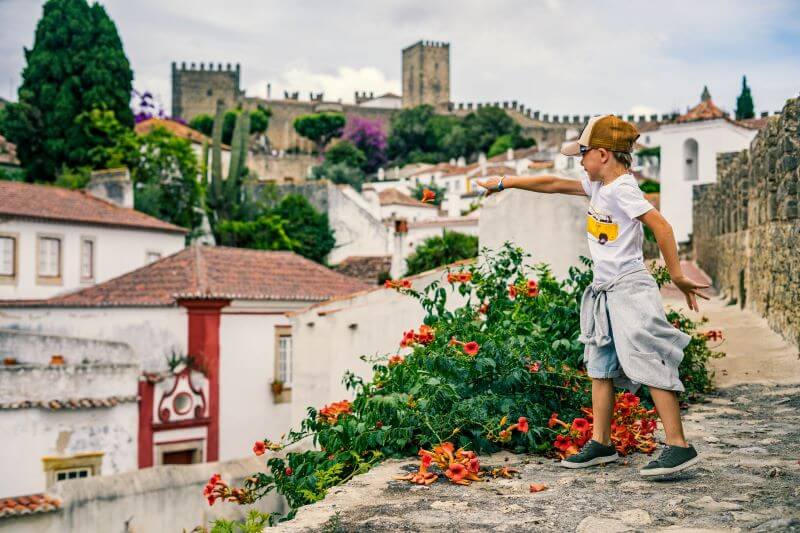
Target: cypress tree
{"points": [[744, 103], [76, 64]]}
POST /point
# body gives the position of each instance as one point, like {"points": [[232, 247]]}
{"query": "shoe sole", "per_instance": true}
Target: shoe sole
{"points": [[592, 462], [653, 472]]}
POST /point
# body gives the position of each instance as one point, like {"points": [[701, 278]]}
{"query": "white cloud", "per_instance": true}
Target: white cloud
{"points": [[341, 85]]}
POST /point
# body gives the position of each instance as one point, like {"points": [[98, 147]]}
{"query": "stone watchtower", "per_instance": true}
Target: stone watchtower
{"points": [[196, 90], [426, 74]]}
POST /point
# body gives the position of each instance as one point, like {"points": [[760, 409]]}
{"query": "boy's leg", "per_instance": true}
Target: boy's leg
{"points": [[599, 449], [602, 409], [669, 411], [677, 454]]}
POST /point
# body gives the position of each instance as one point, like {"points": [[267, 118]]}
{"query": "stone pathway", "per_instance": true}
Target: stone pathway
{"points": [[747, 433]]}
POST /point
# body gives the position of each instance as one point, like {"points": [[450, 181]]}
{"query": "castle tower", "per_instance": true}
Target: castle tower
{"points": [[196, 90], [426, 74]]}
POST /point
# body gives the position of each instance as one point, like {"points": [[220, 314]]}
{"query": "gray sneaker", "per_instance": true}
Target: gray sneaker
{"points": [[672, 459], [593, 453]]}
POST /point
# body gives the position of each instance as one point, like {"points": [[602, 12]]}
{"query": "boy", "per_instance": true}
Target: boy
{"points": [[628, 341]]}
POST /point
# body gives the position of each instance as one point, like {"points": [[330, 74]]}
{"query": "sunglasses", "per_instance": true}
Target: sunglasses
{"points": [[584, 149]]}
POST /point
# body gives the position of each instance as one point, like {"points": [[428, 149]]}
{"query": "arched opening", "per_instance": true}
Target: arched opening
{"points": [[690, 160]]}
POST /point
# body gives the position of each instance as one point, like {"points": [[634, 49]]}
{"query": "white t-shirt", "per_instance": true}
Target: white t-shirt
{"points": [[615, 235]]}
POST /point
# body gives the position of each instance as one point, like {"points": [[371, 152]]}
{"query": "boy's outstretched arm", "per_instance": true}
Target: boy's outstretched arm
{"points": [[666, 243], [547, 184]]}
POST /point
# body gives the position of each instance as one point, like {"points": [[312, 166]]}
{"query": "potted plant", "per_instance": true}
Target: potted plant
{"points": [[56, 359], [276, 386]]}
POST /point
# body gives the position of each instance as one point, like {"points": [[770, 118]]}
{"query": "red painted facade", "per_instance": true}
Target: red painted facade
{"points": [[203, 344]]}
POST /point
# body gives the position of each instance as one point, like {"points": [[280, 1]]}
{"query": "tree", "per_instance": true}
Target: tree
{"points": [[320, 128], [744, 103], [259, 122], [487, 124], [500, 145], [347, 153], [306, 227], [339, 173], [76, 64], [412, 134], [438, 251], [369, 136], [267, 232], [163, 167], [419, 188]]}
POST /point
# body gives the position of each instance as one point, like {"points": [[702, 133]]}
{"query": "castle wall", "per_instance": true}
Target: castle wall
{"points": [[746, 226], [196, 90]]}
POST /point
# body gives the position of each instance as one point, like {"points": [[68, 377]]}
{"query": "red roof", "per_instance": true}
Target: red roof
{"points": [[54, 203], [33, 503], [210, 272], [176, 128], [705, 110]]}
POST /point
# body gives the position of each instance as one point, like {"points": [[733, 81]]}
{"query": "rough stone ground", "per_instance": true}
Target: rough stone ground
{"points": [[747, 433]]}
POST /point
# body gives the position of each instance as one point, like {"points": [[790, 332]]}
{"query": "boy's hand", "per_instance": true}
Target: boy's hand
{"points": [[689, 289], [490, 184]]}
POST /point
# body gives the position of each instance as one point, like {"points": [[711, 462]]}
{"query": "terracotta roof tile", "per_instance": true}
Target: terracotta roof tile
{"points": [[70, 403], [439, 167], [55, 203], [365, 267], [206, 272], [706, 110], [758, 123], [393, 196], [32, 503], [176, 128]]}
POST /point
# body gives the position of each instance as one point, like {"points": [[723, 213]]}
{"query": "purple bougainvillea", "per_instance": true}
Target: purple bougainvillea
{"points": [[146, 106], [369, 136]]}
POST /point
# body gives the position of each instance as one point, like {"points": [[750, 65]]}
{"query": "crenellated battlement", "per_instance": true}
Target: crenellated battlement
{"points": [[205, 67], [427, 44], [363, 96]]}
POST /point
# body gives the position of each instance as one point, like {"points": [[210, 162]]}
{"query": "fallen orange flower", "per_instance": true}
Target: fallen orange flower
{"points": [[537, 487]]}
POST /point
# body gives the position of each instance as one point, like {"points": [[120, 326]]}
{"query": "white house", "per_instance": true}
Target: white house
{"points": [[55, 240], [221, 311], [396, 205], [689, 148]]}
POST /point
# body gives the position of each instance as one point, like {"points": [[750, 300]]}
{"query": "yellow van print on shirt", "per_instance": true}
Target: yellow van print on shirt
{"points": [[601, 226]]}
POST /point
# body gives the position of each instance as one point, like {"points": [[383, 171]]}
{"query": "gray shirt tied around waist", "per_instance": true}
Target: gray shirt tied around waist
{"points": [[626, 314]]}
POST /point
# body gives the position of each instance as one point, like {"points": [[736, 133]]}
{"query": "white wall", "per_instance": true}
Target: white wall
{"points": [[247, 367], [409, 212], [30, 434], [158, 499], [116, 251], [713, 137], [151, 332], [551, 227], [356, 229], [329, 338]]}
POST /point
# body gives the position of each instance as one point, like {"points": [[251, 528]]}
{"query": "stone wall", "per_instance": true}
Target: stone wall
{"points": [[746, 226], [426, 74]]}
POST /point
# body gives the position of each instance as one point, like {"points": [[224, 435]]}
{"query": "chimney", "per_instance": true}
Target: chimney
{"points": [[113, 185]]}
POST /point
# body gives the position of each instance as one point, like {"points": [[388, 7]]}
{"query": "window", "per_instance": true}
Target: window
{"points": [[152, 256], [49, 258], [285, 359], [87, 259], [690, 154], [73, 473], [78, 466], [210, 92], [8, 257], [284, 371]]}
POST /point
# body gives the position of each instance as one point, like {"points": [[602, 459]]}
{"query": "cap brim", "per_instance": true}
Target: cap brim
{"points": [[573, 148]]}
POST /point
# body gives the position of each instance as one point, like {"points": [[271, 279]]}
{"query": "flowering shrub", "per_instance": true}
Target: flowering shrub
{"points": [[464, 373]]}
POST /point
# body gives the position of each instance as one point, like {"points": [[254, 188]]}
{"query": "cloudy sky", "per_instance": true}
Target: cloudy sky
{"points": [[564, 57]]}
